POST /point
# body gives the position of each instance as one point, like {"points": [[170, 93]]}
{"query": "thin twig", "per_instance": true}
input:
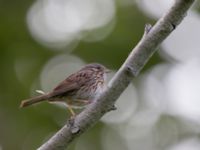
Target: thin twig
{"points": [[153, 36]]}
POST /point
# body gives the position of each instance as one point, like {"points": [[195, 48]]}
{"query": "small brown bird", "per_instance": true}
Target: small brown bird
{"points": [[79, 88]]}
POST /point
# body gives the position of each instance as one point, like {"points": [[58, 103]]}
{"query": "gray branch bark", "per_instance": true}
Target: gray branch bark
{"points": [[134, 63]]}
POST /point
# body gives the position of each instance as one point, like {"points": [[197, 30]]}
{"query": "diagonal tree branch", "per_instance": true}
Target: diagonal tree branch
{"points": [[134, 63]]}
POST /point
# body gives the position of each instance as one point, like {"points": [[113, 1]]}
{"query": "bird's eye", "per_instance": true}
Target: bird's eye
{"points": [[98, 67]]}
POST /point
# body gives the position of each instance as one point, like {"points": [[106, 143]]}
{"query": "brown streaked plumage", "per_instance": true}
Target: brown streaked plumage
{"points": [[80, 87]]}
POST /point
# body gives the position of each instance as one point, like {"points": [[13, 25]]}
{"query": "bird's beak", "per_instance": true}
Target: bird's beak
{"points": [[107, 71]]}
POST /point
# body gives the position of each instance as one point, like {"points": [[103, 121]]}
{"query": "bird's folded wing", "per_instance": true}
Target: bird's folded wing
{"points": [[72, 84], [65, 87]]}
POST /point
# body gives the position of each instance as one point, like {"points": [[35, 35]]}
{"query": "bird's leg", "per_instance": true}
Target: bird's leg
{"points": [[71, 111]]}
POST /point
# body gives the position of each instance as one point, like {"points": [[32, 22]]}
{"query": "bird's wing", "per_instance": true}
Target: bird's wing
{"points": [[65, 87], [71, 84]]}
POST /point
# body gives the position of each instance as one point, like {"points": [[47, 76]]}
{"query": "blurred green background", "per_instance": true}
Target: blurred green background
{"points": [[41, 42]]}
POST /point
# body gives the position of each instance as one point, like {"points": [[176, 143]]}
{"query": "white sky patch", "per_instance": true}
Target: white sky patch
{"points": [[60, 23], [183, 44], [183, 87], [187, 144]]}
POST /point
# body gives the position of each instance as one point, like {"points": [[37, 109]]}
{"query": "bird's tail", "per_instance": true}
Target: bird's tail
{"points": [[34, 100]]}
